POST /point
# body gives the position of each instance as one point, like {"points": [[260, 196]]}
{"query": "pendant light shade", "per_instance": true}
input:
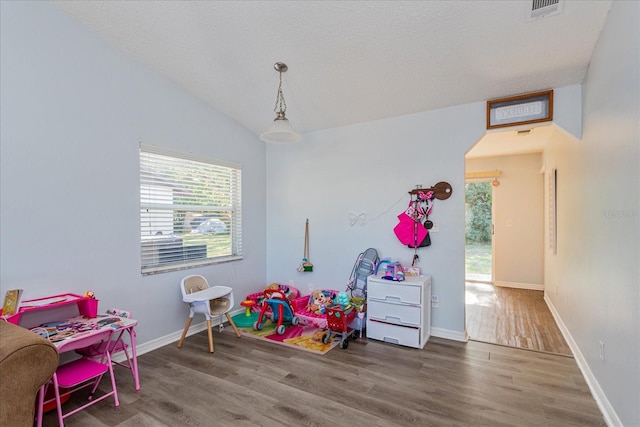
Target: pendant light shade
{"points": [[281, 130]]}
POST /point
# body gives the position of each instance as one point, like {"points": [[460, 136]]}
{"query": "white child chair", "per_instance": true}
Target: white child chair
{"points": [[210, 301]]}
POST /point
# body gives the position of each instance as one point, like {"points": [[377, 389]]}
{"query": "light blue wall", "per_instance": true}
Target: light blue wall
{"points": [[369, 169], [74, 109]]}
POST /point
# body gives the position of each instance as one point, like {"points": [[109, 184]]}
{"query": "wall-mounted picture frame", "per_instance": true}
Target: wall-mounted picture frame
{"points": [[519, 110]]}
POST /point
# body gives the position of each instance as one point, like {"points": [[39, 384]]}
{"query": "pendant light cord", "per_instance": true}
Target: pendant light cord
{"points": [[281, 105]]}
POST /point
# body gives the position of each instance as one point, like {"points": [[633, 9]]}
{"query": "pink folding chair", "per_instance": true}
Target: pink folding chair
{"points": [[113, 346], [79, 374]]}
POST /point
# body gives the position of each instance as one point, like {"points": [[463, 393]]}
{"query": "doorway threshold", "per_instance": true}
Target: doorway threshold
{"points": [[475, 277]]}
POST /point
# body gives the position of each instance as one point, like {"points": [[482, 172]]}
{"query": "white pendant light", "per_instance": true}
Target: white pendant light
{"points": [[281, 130]]}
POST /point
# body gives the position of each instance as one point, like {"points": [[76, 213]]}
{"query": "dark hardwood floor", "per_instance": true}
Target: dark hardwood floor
{"points": [[512, 317], [255, 383]]}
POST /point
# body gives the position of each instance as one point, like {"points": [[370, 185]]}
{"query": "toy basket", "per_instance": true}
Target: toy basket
{"points": [[338, 321]]}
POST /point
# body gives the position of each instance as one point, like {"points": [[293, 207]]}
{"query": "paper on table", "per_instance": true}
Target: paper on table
{"points": [[41, 302]]}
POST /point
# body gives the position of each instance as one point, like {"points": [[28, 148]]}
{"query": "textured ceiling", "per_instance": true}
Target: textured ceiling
{"points": [[349, 61]]}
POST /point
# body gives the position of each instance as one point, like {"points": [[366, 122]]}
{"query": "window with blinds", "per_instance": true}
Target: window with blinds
{"points": [[190, 210]]}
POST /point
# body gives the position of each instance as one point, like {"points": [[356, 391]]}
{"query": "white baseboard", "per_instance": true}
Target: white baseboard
{"points": [[530, 286], [168, 339], [610, 416], [449, 334]]}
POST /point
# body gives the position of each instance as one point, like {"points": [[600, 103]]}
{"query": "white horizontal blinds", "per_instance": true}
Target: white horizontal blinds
{"points": [[190, 211], [236, 229]]}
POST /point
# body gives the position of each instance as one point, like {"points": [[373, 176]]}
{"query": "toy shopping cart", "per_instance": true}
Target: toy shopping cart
{"points": [[338, 321]]}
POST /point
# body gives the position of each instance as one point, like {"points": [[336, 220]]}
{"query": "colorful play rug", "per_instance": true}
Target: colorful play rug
{"points": [[300, 337]]}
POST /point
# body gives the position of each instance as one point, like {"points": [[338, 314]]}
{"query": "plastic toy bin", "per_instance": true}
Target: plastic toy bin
{"points": [[88, 307]]}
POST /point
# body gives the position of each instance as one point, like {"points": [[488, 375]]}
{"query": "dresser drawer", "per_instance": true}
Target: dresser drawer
{"points": [[385, 290], [394, 334], [394, 313]]}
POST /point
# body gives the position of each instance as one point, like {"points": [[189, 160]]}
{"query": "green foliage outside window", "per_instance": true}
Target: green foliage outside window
{"points": [[478, 212]]}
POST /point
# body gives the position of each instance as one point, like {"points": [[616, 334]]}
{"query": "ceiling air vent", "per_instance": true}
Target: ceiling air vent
{"points": [[543, 9]]}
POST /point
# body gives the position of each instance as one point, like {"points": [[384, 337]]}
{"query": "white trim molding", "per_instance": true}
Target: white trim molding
{"points": [[530, 286], [449, 334], [610, 416]]}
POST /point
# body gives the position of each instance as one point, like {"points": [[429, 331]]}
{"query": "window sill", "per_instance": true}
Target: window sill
{"points": [[185, 266]]}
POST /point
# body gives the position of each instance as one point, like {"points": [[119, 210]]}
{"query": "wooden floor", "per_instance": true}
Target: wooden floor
{"points": [[255, 383], [513, 317]]}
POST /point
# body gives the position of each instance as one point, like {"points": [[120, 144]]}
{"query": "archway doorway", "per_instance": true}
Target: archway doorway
{"points": [[509, 308]]}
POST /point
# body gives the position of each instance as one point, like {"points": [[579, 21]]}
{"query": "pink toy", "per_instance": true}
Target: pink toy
{"points": [[281, 311], [290, 292], [309, 318]]}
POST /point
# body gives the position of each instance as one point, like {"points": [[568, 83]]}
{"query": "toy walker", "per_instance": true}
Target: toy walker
{"points": [[338, 321], [281, 311]]}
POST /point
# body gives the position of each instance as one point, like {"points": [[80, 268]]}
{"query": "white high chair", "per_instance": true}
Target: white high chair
{"points": [[210, 301]]}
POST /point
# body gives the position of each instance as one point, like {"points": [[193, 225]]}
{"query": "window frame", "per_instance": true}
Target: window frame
{"points": [[159, 210]]}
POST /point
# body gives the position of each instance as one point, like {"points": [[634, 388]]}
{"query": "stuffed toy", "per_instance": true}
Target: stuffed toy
{"points": [[286, 290], [318, 302], [273, 287], [343, 300]]}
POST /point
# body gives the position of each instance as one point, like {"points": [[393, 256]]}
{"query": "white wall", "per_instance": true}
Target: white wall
{"points": [[369, 169], [519, 218], [596, 268], [74, 109]]}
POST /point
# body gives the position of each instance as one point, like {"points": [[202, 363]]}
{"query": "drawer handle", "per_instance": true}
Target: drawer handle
{"points": [[390, 298], [392, 318], [391, 340]]}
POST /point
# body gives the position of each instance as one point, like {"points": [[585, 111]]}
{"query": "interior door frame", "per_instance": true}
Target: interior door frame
{"points": [[493, 233]]}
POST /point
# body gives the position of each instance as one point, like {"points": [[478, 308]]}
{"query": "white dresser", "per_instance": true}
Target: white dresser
{"points": [[399, 312]]}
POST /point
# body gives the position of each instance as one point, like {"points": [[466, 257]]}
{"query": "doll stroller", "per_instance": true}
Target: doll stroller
{"points": [[281, 311], [364, 266]]}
